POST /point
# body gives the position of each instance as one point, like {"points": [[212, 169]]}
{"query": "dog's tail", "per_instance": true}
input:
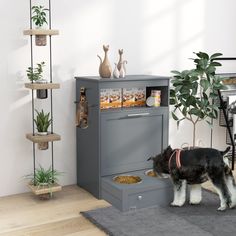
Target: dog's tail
{"points": [[225, 151]]}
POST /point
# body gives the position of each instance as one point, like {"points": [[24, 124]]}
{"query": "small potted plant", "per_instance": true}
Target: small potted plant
{"points": [[40, 19], [44, 178], [35, 76], [42, 122]]}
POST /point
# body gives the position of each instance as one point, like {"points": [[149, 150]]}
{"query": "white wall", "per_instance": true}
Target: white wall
{"points": [[157, 37]]}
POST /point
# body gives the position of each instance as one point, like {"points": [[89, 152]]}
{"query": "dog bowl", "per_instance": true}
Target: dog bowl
{"points": [[127, 179], [150, 173]]}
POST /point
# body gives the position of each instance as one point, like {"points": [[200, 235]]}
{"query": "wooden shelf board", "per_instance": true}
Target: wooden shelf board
{"points": [[41, 138], [42, 86], [40, 32], [38, 190]]}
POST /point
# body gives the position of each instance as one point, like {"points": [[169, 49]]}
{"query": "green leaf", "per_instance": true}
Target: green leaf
{"points": [[210, 124], [204, 84], [214, 63], [184, 111], [174, 116], [175, 72], [172, 101], [211, 69], [178, 122], [215, 55], [203, 55], [195, 111]]}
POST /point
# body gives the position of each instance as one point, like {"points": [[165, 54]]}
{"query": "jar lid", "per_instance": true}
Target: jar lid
{"points": [[150, 101]]}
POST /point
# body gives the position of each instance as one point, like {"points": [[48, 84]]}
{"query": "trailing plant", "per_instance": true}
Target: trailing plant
{"points": [[43, 176], [193, 91], [40, 17], [42, 121], [35, 74]]}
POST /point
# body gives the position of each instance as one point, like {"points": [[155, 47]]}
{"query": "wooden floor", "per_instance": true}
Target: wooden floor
{"points": [[26, 215]]}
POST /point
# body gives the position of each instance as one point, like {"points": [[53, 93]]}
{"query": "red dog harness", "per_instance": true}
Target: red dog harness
{"points": [[177, 158]]}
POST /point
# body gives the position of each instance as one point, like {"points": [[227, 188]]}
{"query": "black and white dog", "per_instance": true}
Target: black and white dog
{"points": [[194, 167]]}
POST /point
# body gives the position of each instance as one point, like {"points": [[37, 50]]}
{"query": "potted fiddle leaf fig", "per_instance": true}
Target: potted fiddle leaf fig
{"points": [[35, 76], [193, 91], [42, 123], [40, 19]]}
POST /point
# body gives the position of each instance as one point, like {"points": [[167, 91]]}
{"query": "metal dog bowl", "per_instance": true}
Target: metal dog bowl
{"points": [[150, 173], [127, 179]]}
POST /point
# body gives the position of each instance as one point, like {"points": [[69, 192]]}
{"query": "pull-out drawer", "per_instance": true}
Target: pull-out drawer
{"points": [[151, 191]]}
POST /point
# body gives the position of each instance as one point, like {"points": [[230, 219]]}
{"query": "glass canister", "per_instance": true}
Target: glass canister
{"points": [[156, 94]]}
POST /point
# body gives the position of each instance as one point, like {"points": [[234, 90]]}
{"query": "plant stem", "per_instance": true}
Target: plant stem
{"points": [[194, 133]]}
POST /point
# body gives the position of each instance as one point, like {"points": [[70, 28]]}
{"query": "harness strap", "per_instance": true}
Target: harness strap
{"points": [[177, 158]]}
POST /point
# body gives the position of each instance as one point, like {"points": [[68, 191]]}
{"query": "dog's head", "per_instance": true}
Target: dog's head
{"points": [[160, 161]]}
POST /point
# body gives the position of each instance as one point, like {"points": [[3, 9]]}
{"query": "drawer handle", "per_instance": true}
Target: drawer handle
{"points": [[139, 114], [140, 197]]}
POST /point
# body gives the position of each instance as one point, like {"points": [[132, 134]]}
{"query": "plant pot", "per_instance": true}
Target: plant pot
{"points": [[42, 93], [40, 40], [43, 145]]}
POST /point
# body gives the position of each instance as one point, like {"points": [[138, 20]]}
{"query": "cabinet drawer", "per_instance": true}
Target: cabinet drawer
{"points": [[161, 197]]}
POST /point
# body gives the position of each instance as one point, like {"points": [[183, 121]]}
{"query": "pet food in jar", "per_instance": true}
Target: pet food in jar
{"points": [[156, 94]]}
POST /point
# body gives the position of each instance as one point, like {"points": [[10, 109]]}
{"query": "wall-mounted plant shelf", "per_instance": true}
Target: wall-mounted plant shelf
{"points": [[42, 86], [40, 32], [43, 138], [38, 190]]}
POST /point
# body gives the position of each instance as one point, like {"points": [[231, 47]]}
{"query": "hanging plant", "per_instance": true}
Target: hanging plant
{"points": [[35, 75], [40, 19], [193, 91], [42, 122]]}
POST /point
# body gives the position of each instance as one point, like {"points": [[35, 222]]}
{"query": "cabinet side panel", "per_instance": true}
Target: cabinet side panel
{"points": [[87, 143]]}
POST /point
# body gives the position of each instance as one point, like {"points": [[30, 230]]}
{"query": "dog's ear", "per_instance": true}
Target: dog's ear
{"points": [[150, 158], [225, 151], [167, 151]]}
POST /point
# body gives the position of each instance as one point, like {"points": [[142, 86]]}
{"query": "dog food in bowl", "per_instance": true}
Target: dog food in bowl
{"points": [[127, 179], [151, 173]]}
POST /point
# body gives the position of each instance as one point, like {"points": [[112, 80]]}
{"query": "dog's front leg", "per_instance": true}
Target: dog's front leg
{"points": [[179, 193], [195, 194]]}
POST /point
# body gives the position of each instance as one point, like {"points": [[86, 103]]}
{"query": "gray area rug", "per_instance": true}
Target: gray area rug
{"points": [[201, 220]]}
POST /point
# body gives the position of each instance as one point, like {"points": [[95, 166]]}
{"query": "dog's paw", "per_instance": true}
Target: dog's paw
{"points": [[195, 202], [231, 205], [222, 208], [176, 204]]}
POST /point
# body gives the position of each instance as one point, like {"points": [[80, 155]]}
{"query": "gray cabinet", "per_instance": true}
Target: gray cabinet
{"points": [[120, 140]]}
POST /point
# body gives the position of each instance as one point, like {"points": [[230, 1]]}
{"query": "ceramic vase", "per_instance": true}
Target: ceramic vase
{"points": [[116, 73], [121, 63], [105, 69], [122, 70]]}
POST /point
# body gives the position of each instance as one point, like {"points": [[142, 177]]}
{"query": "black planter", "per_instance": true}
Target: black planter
{"points": [[42, 93]]}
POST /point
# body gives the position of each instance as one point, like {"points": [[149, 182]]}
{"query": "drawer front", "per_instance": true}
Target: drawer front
{"points": [[128, 139], [161, 197]]}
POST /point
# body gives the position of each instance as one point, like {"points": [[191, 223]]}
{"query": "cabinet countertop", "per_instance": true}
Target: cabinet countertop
{"points": [[127, 78]]}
